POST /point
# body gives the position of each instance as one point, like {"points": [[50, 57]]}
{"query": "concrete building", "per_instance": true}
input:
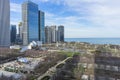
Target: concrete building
{"points": [[4, 23], [60, 34], [13, 31], [19, 37], [30, 22], [41, 25], [54, 33], [48, 34], [20, 30]]}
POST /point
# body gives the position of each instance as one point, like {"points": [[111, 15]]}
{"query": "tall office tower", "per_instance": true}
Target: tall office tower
{"points": [[13, 31], [57, 35], [60, 33], [41, 25], [20, 30], [30, 22], [4, 23], [54, 36], [48, 34]]}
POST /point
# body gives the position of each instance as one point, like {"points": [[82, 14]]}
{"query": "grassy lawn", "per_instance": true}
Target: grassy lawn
{"points": [[68, 54]]}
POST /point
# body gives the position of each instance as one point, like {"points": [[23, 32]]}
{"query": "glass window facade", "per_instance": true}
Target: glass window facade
{"points": [[41, 27], [13, 33], [61, 33], [30, 22], [33, 22]]}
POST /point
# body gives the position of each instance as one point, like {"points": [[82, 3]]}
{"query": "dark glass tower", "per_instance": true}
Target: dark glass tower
{"points": [[13, 33], [41, 26], [60, 34]]}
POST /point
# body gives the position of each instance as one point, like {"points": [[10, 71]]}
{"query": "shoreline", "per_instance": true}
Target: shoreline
{"points": [[96, 41]]}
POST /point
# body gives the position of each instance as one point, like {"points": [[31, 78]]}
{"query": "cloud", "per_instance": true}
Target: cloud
{"points": [[15, 7], [15, 10], [50, 1], [93, 18], [103, 16], [40, 0], [44, 0], [100, 12]]}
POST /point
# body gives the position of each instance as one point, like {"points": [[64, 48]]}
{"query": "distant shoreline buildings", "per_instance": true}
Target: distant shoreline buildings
{"points": [[41, 26], [54, 34]]}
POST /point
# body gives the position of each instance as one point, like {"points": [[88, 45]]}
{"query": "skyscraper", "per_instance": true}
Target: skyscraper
{"points": [[60, 33], [41, 25], [20, 30], [30, 22], [54, 36], [13, 33], [4, 23], [48, 34]]}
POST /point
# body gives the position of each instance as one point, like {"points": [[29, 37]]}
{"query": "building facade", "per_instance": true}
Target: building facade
{"points": [[20, 30], [48, 34], [53, 33], [4, 23], [41, 25], [13, 31], [60, 34], [30, 22]]}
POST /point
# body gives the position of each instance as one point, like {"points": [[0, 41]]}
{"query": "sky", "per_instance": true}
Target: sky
{"points": [[81, 18]]}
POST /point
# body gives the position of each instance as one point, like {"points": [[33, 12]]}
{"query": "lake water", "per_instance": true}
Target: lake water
{"points": [[96, 40]]}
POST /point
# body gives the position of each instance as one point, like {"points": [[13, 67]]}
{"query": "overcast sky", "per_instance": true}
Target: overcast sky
{"points": [[81, 18]]}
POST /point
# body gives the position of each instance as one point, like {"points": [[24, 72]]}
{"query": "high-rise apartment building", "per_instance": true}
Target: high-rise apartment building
{"points": [[60, 33], [48, 34], [30, 22], [54, 35], [13, 31], [20, 30], [41, 25], [4, 23]]}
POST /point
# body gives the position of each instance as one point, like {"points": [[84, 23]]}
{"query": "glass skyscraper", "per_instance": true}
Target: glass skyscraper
{"points": [[41, 25], [4, 23], [13, 33], [30, 22], [60, 33], [33, 23]]}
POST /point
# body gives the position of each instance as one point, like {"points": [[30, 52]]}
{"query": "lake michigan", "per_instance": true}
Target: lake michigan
{"points": [[115, 41]]}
